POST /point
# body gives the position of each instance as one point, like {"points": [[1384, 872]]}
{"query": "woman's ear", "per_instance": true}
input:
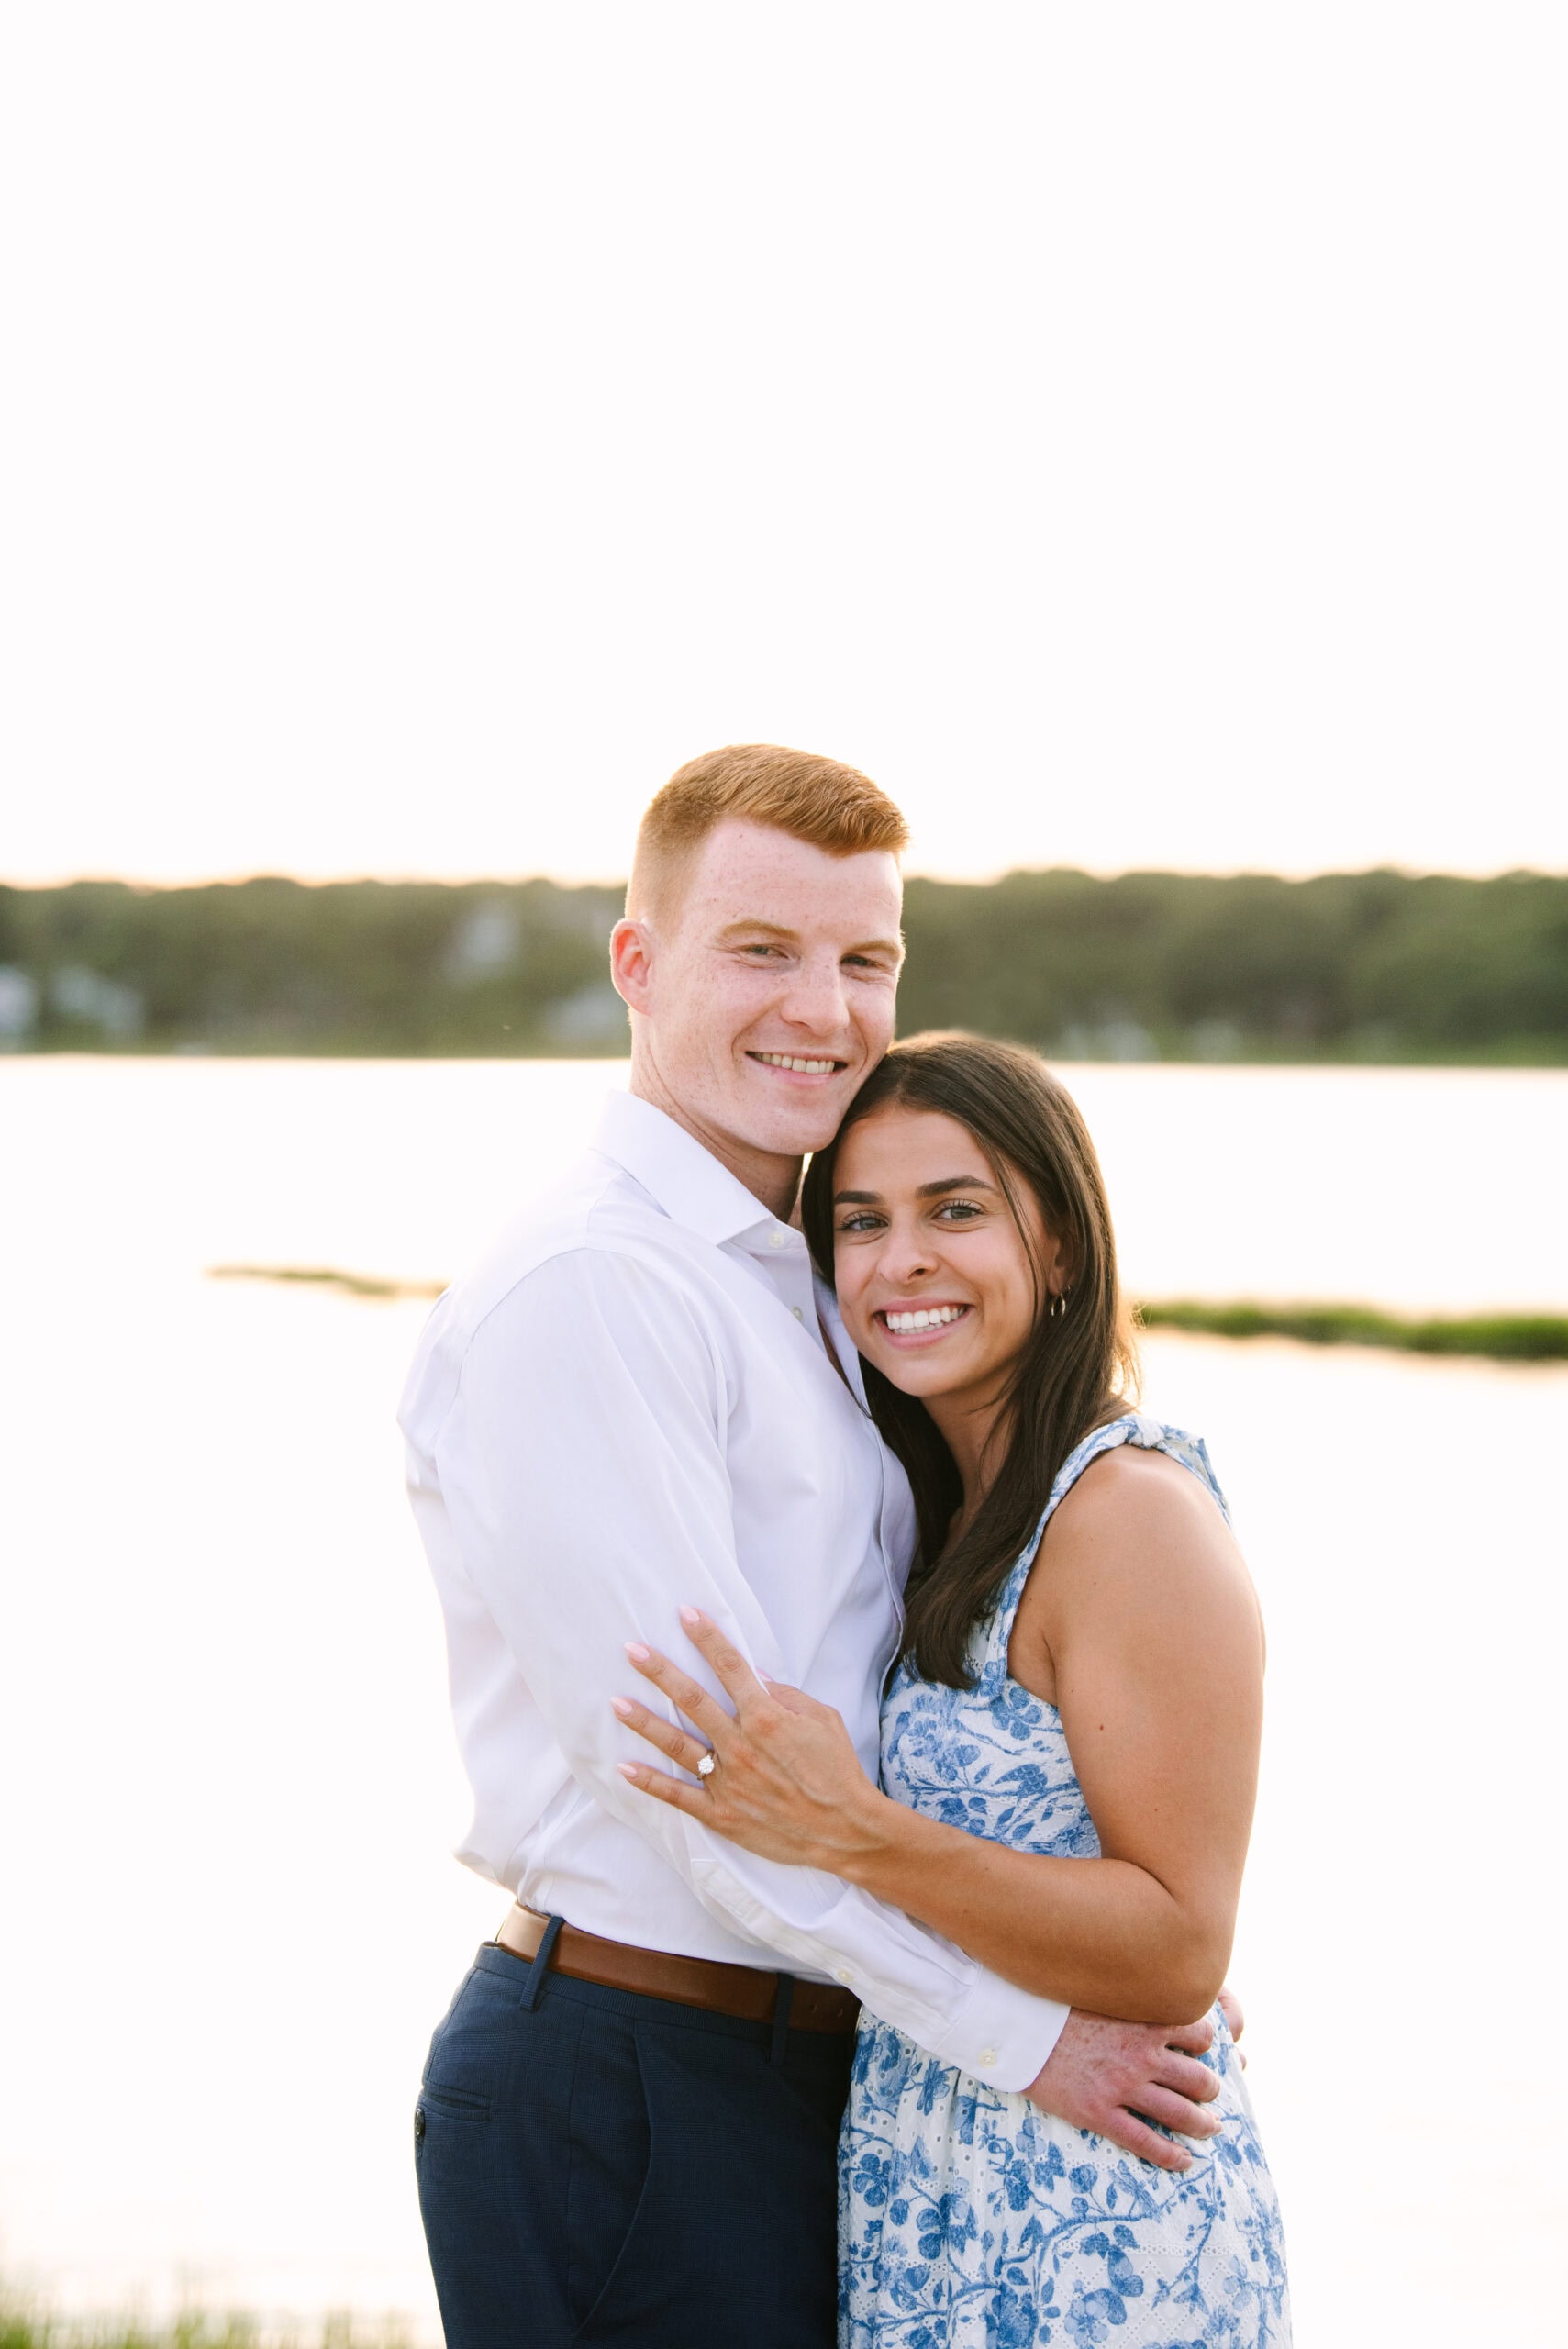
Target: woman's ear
{"points": [[1060, 1263]]}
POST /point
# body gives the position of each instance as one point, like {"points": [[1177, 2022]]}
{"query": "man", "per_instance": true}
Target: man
{"points": [[644, 1401]]}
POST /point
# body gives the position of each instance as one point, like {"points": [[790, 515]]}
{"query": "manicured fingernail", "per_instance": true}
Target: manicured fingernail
{"points": [[623, 1705], [628, 1770], [637, 1652], [766, 1677], [690, 1616]]}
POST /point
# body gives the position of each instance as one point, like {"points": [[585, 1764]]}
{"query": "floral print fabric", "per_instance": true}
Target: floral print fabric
{"points": [[968, 2217]]}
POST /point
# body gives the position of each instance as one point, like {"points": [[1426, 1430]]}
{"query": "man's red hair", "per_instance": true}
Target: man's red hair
{"points": [[834, 806]]}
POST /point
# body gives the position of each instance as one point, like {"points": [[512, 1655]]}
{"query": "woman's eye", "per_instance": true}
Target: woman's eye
{"points": [[959, 1210], [854, 1223]]}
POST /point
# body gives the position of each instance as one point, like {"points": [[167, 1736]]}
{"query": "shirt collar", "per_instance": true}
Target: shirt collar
{"points": [[839, 1338], [686, 1180]]}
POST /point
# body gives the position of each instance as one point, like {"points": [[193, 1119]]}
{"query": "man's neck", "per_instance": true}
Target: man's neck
{"points": [[774, 1181]]}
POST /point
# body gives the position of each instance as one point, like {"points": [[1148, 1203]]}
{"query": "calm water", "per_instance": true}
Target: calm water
{"points": [[231, 1920]]}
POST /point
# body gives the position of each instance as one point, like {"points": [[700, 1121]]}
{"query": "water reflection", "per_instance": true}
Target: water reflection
{"points": [[221, 1685]]}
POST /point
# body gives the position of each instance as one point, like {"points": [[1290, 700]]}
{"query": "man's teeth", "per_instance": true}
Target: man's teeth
{"points": [[936, 1318], [806, 1068]]}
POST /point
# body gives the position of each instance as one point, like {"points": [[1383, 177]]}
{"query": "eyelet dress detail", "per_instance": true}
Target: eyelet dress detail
{"points": [[968, 2218]]}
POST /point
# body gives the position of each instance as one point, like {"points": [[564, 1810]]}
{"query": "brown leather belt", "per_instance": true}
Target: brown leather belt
{"points": [[687, 1981]]}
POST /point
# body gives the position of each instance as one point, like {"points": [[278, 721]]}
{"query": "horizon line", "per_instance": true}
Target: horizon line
{"points": [[989, 879]]}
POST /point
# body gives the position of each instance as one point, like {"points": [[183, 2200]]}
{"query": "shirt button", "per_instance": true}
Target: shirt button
{"points": [[797, 1313], [988, 2054], [842, 1973], [778, 1238]]}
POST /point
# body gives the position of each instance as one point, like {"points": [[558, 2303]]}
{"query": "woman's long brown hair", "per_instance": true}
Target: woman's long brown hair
{"points": [[1077, 1370]]}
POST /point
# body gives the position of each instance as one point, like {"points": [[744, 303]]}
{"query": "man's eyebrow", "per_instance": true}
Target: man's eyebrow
{"points": [[748, 928]]}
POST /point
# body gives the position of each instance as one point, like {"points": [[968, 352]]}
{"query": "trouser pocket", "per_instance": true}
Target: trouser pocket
{"points": [[466, 2067], [611, 2152]]}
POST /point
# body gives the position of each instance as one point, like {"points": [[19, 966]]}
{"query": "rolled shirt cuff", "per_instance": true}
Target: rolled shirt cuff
{"points": [[946, 2002], [1003, 2035]]}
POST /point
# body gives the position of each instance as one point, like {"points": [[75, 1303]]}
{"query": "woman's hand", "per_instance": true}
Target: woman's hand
{"points": [[785, 1781]]}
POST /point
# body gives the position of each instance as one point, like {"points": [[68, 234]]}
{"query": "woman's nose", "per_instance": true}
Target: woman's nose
{"points": [[906, 1257]]}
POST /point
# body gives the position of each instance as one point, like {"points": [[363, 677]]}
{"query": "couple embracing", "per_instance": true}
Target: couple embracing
{"points": [[860, 1697]]}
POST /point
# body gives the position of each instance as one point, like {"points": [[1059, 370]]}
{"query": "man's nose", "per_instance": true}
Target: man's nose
{"points": [[815, 998]]}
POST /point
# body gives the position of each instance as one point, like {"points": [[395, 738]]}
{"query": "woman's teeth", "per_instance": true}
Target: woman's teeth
{"points": [[935, 1316], [804, 1068]]}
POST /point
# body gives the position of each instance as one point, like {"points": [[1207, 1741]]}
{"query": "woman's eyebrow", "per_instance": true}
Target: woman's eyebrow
{"points": [[926, 1191], [954, 1183]]}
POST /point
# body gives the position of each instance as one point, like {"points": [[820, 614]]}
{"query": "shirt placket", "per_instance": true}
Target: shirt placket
{"points": [[779, 1255]]}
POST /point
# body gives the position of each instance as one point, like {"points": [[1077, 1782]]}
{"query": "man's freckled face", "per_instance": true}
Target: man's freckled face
{"points": [[775, 985]]}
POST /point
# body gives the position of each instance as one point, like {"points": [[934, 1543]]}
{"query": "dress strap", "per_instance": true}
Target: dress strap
{"points": [[1133, 1427]]}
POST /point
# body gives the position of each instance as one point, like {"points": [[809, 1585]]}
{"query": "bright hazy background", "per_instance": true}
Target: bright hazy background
{"points": [[1134, 434]]}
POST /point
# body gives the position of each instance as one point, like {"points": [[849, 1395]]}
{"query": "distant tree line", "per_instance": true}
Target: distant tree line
{"points": [[1368, 966]]}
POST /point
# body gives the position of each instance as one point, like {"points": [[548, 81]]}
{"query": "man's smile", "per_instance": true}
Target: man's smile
{"points": [[798, 1063]]}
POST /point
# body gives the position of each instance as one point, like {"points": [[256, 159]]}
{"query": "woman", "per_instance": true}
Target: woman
{"points": [[1068, 1741]]}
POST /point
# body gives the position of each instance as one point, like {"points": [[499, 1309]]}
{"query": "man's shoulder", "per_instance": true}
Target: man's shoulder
{"points": [[593, 1230], [595, 1207]]}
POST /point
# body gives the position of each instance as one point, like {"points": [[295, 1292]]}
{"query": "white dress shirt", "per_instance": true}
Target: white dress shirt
{"points": [[628, 1408]]}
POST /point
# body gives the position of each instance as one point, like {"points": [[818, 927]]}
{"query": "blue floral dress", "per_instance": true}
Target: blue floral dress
{"points": [[970, 2219]]}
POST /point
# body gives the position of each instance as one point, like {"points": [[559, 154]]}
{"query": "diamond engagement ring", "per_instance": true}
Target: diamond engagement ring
{"points": [[708, 1765]]}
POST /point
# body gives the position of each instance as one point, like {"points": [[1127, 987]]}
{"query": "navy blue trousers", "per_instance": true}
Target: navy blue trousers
{"points": [[596, 2167]]}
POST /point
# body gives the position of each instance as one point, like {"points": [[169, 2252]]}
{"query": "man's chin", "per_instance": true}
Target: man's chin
{"points": [[795, 1120], [798, 1140], [792, 1129]]}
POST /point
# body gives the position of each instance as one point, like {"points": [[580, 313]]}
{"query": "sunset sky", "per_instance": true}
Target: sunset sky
{"points": [[1134, 435]]}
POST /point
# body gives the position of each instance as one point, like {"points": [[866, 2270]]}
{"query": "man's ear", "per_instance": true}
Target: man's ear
{"points": [[631, 963]]}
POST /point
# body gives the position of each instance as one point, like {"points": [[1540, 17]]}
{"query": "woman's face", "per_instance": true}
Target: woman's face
{"points": [[934, 1276]]}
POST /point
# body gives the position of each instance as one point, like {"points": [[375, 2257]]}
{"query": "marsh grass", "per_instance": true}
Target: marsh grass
{"points": [[370, 1284], [1495, 1337], [25, 2327]]}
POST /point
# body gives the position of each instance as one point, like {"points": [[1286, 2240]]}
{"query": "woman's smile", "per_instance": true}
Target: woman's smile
{"points": [[920, 1325]]}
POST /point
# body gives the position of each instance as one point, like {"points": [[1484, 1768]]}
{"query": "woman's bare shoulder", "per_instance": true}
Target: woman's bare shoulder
{"points": [[1139, 1488], [1137, 1551], [1134, 1516]]}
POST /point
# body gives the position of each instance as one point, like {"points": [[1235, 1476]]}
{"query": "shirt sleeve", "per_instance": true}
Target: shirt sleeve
{"points": [[581, 1463]]}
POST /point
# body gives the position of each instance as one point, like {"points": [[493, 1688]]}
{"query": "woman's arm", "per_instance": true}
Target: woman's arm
{"points": [[1140, 1613]]}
